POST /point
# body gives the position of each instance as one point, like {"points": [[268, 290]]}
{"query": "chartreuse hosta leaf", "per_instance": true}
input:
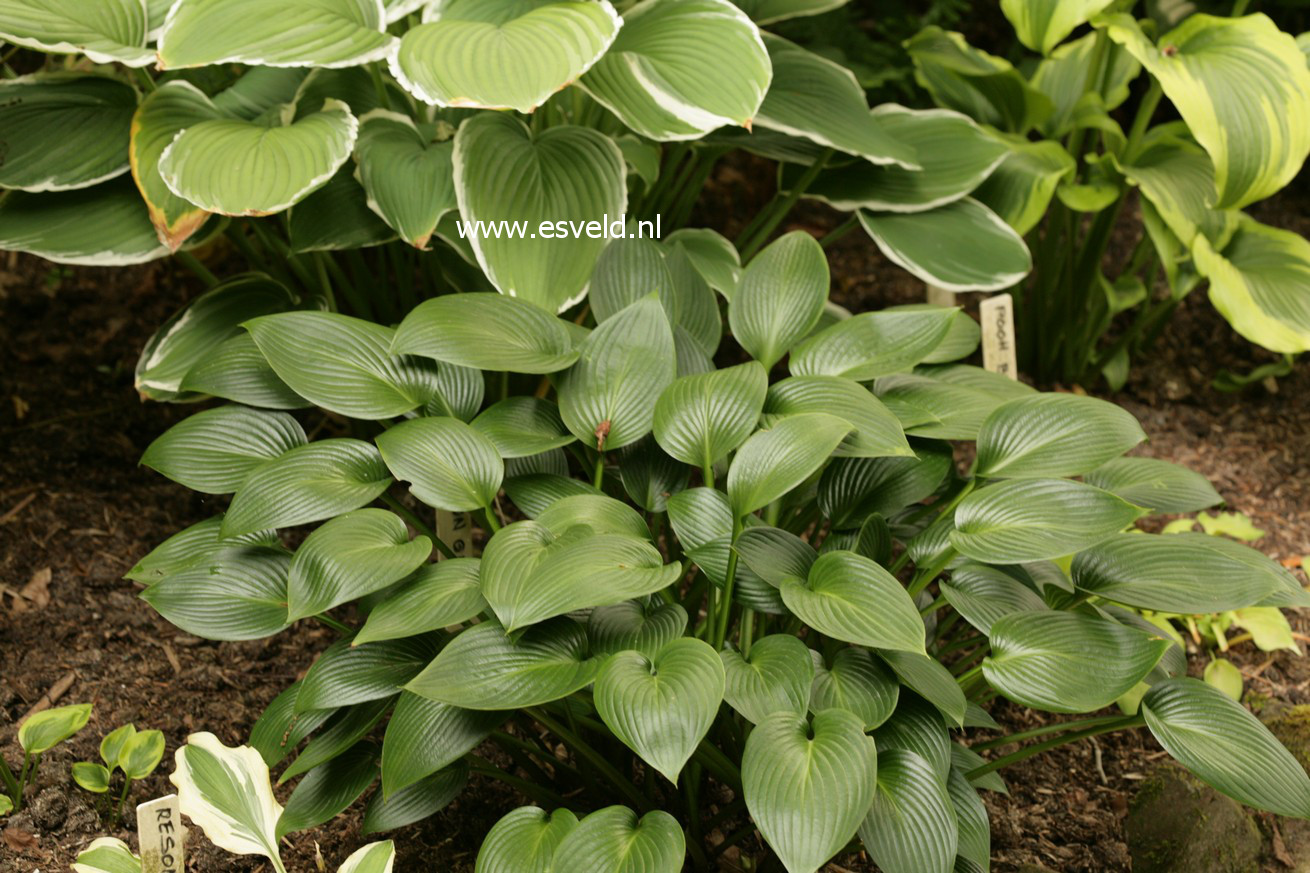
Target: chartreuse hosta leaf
{"points": [[350, 556], [780, 297], [985, 253], [102, 226], [310, 483], [1067, 661], [1218, 740], [1180, 573], [911, 826], [236, 167], [857, 682], [872, 344], [681, 68], [104, 855], [44, 730], [111, 31], [141, 754], [1177, 176], [341, 363], [607, 398], [700, 419], [424, 736], [877, 432], [198, 329], [524, 841], [1243, 88], [776, 677], [1036, 519], [1043, 24], [483, 668], [808, 784], [502, 54], [614, 840], [486, 332], [214, 451], [505, 172], [238, 593], [448, 464], [822, 101], [631, 626], [408, 176], [370, 858], [111, 745], [954, 154], [64, 130], [850, 598], [226, 792], [1053, 435], [164, 113], [296, 33], [1159, 485], [436, 596]]}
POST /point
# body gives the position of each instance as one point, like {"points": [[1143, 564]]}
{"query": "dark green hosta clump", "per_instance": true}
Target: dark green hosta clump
{"points": [[762, 586]]}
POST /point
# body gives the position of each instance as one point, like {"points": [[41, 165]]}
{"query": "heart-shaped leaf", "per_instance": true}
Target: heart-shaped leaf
{"points": [[448, 463], [350, 556], [700, 419], [226, 793], [808, 785], [1157, 484], [872, 344], [89, 776], [1067, 662], [238, 593], [877, 433], [214, 451], [681, 68], [502, 54], [776, 677], [424, 736], [486, 332], [1053, 435], [631, 626], [857, 682], [662, 706], [295, 33], [850, 598], [774, 461], [483, 668], [614, 840], [524, 841], [437, 596], [911, 826], [113, 31], [780, 297], [409, 178], [102, 226], [506, 173]]}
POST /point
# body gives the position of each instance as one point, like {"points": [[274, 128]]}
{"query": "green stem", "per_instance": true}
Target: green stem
{"points": [[358, 302], [596, 759], [746, 635], [719, 764], [492, 524], [331, 622], [418, 524], [122, 797], [11, 781], [721, 632], [1142, 120], [530, 789], [192, 263], [598, 477], [779, 208], [839, 231], [1029, 734], [1130, 721], [934, 606], [969, 675], [142, 76], [707, 474], [380, 85]]}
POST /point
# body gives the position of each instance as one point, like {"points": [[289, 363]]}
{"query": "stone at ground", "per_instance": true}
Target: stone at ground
{"points": [[1177, 824]]}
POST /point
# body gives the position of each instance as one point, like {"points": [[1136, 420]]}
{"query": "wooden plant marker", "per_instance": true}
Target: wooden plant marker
{"points": [[456, 531], [997, 316], [162, 835]]}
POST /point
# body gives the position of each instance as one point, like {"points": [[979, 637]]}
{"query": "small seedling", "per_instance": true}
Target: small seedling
{"points": [[38, 735], [136, 753]]}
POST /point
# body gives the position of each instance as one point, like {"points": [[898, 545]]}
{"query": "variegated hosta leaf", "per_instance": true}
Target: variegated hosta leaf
{"points": [[662, 706], [106, 855], [769, 11], [103, 226], [1043, 24], [163, 114], [681, 68], [614, 840], [1243, 88], [42, 731], [954, 154], [502, 54], [962, 246], [1258, 283], [108, 31], [236, 167], [1065, 77], [290, 33], [370, 858], [506, 173], [524, 841], [226, 792], [808, 784], [1177, 177], [1020, 189], [409, 177], [815, 98], [64, 130]]}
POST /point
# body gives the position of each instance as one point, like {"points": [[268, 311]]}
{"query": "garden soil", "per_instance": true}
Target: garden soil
{"points": [[76, 511]]}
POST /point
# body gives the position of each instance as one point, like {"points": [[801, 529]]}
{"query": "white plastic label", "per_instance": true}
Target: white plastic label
{"points": [[162, 835]]}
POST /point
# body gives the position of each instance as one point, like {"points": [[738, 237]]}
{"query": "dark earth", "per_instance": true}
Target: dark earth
{"points": [[76, 512]]}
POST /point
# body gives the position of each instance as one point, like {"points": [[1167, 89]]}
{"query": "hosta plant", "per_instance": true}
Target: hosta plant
{"points": [[728, 584], [135, 753], [40, 733]]}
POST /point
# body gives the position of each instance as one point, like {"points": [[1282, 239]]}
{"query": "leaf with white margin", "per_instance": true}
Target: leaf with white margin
{"points": [[502, 54], [770, 11], [409, 178], [235, 167], [822, 101], [289, 33], [524, 841], [808, 784], [448, 464], [505, 172], [1041, 25], [226, 792], [164, 113], [104, 855], [102, 226], [487, 332], [370, 858], [64, 130], [1020, 189], [911, 826], [681, 68], [107, 31], [1243, 88], [780, 297], [1258, 283], [962, 246], [848, 597], [776, 677], [614, 840], [954, 153], [661, 707]]}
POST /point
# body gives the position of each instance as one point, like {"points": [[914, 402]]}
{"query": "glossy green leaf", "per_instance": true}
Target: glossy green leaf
{"points": [[872, 344], [238, 593], [226, 792], [911, 826], [780, 297], [771, 11], [1053, 435], [486, 332], [44, 730], [280, 729], [917, 726], [103, 226], [700, 419], [424, 736], [1043, 24], [408, 177], [1067, 662], [603, 515], [328, 789], [983, 594], [336, 218], [436, 596], [90, 776], [483, 668], [626, 271], [1020, 189], [681, 68], [417, 802], [776, 677], [775, 555], [524, 841], [936, 408], [850, 598], [107, 32], [520, 427], [614, 840], [774, 461], [857, 682], [141, 754], [448, 463], [1159, 485], [310, 483], [346, 673], [852, 489], [214, 451], [985, 87], [347, 727], [237, 370], [629, 626], [1035, 519], [930, 680], [808, 785], [877, 433], [713, 256]]}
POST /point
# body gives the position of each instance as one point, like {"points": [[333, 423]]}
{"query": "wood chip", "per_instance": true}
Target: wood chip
{"points": [[17, 508], [18, 840]]}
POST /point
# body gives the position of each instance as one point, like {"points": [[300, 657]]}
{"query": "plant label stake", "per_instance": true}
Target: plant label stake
{"points": [[997, 314], [456, 530], [162, 835]]}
